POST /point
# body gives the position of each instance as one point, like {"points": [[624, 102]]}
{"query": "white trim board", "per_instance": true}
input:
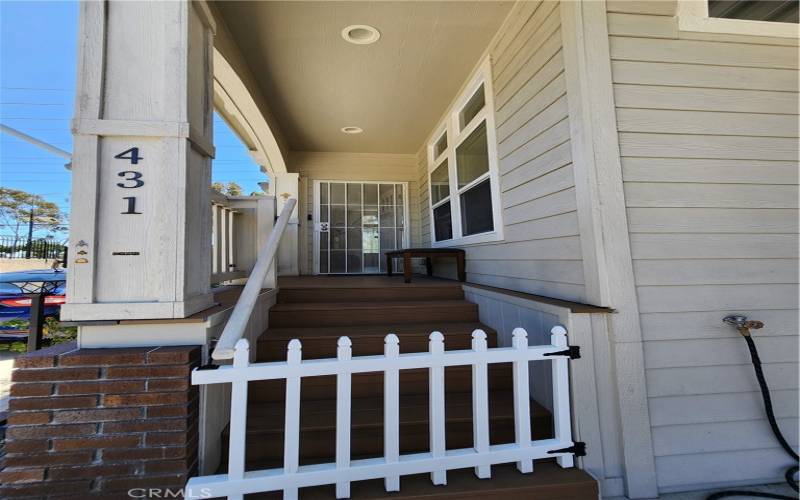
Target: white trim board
{"points": [[693, 16], [605, 243]]}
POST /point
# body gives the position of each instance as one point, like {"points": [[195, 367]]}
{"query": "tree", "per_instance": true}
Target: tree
{"points": [[230, 189], [15, 212]]}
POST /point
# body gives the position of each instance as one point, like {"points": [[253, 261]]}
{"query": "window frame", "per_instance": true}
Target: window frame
{"points": [[693, 16], [450, 125]]}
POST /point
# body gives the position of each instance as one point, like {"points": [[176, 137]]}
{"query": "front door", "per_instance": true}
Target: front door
{"points": [[355, 223]]}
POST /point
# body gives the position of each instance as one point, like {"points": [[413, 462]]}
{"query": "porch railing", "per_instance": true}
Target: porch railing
{"points": [[223, 248], [237, 482], [237, 322]]}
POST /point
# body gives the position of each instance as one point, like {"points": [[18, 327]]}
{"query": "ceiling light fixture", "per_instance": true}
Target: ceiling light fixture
{"points": [[352, 130], [361, 34]]}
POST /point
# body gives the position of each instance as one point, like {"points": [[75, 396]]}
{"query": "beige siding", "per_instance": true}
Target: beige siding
{"points": [[355, 167], [540, 252], [708, 137], [424, 233]]}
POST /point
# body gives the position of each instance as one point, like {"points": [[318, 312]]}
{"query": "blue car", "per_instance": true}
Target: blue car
{"points": [[13, 287]]}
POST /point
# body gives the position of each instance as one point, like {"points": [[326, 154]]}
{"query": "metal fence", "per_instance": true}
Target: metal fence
{"points": [[22, 248]]}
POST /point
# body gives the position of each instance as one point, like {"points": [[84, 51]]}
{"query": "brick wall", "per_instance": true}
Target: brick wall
{"points": [[88, 423]]}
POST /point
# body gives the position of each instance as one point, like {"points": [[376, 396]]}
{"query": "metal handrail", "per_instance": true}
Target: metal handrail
{"points": [[235, 327]]}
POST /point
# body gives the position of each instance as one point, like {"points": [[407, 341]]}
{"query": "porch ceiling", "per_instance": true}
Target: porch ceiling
{"points": [[395, 89]]}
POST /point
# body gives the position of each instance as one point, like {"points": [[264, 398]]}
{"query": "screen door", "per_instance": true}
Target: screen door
{"points": [[355, 223]]}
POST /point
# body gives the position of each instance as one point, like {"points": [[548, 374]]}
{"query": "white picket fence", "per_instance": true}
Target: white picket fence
{"points": [[392, 465]]}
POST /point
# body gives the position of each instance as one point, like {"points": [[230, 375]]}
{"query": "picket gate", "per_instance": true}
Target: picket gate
{"points": [[392, 466]]}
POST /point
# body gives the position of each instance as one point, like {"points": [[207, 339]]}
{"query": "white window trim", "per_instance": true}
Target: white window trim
{"points": [[450, 125], [693, 16]]}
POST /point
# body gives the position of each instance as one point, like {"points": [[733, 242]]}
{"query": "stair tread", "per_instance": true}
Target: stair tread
{"points": [[368, 412], [337, 306], [354, 281], [547, 482], [273, 334]]}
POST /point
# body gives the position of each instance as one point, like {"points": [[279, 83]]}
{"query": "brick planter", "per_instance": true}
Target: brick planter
{"points": [[88, 423]]}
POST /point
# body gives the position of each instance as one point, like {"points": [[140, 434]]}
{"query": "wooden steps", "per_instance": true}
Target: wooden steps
{"points": [[456, 379], [298, 315], [318, 311], [318, 425], [383, 294], [547, 482], [320, 342]]}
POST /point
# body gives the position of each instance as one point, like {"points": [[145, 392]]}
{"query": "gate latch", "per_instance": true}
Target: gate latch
{"points": [[573, 351], [578, 449]]}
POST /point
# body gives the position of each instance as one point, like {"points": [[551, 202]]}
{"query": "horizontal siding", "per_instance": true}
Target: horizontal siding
{"points": [[541, 249], [540, 252], [424, 232], [715, 408], [738, 467], [713, 380], [708, 138]]}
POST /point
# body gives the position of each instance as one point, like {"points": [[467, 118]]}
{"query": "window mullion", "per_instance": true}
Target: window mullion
{"points": [[455, 202], [474, 183]]}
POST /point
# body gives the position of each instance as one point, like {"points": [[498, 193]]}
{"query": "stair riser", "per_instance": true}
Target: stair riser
{"points": [[320, 348], [414, 438], [388, 294], [365, 385], [465, 312]]}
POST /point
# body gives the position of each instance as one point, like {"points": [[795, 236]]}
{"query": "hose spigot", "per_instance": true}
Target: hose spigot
{"points": [[742, 324]]}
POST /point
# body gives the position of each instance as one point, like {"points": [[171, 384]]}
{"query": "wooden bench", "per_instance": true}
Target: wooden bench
{"points": [[427, 253]]}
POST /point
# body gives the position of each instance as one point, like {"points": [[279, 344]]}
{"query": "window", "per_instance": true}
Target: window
{"points": [[462, 166], [773, 18], [777, 11]]}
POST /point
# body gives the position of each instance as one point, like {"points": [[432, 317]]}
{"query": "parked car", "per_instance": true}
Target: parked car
{"points": [[14, 305]]}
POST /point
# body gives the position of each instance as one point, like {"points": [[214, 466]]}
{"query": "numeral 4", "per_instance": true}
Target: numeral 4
{"points": [[134, 155]]}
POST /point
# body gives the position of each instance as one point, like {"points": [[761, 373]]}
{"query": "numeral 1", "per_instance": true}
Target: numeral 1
{"points": [[131, 206]]}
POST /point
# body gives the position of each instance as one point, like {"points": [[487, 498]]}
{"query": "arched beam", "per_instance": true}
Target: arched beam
{"points": [[237, 107]]}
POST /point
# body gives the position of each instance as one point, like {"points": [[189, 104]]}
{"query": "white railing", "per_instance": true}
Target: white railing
{"points": [[392, 465], [223, 248], [237, 322]]}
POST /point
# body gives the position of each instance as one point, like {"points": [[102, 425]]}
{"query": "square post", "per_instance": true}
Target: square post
{"points": [[140, 233]]}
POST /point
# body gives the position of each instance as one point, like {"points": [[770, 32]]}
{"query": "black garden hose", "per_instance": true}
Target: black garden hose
{"points": [[762, 384]]}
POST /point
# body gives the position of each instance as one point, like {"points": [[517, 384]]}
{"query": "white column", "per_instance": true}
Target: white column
{"points": [[140, 233], [287, 186]]}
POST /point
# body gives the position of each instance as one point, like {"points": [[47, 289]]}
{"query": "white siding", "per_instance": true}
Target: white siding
{"points": [[541, 250], [708, 137]]}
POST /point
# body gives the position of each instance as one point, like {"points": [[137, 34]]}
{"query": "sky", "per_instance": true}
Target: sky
{"points": [[37, 89]]}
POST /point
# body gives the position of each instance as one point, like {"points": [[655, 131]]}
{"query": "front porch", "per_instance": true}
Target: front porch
{"points": [[577, 152], [348, 424]]}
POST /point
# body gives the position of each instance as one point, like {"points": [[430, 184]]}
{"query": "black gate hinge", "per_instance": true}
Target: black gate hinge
{"points": [[578, 449], [209, 366], [573, 351]]}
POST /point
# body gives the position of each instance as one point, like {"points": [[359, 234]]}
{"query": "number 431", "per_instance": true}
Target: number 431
{"points": [[130, 176]]}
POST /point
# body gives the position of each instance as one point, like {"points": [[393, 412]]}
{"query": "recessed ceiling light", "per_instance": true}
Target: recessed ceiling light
{"points": [[361, 34], [352, 130]]}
